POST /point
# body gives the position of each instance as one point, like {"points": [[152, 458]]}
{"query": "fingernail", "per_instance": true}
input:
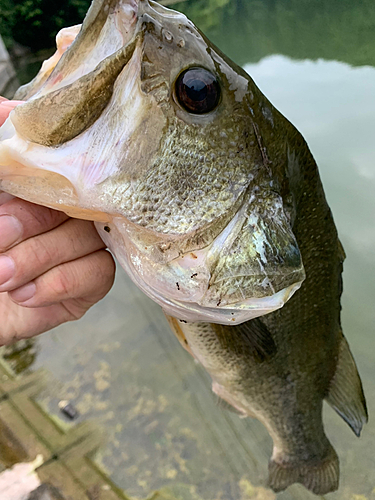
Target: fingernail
{"points": [[23, 293], [10, 230], [5, 197], [7, 269], [11, 104]]}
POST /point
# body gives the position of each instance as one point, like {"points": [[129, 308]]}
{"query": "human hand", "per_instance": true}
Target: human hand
{"points": [[6, 107], [52, 268]]}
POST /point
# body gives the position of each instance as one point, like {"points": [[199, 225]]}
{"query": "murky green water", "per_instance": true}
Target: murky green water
{"points": [[121, 366]]}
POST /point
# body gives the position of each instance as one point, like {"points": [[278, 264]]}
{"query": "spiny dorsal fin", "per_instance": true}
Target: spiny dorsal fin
{"points": [[346, 393]]}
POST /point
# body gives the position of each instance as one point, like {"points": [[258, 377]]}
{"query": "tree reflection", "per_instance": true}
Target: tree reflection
{"points": [[248, 30]]}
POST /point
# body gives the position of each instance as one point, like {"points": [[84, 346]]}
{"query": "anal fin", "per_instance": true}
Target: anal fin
{"points": [[346, 393]]}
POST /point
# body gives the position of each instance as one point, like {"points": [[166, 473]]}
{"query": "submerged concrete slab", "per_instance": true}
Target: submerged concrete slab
{"points": [[36, 448]]}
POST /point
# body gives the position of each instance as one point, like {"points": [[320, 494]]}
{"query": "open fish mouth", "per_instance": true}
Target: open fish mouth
{"points": [[180, 194]]}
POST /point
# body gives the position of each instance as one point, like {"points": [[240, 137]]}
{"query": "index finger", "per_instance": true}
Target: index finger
{"points": [[6, 107]]}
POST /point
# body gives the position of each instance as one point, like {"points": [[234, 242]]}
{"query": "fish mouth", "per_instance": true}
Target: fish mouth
{"points": [[81, 84]]}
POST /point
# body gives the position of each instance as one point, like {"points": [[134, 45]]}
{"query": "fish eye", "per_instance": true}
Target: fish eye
{"points": [[198, 90]]}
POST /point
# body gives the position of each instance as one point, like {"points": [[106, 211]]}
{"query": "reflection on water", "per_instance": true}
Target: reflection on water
{"points": [[248, 30], [123, 367]]}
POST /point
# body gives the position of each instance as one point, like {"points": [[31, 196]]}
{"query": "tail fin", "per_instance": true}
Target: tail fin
{"points": [[320, 477], [346, 393]]}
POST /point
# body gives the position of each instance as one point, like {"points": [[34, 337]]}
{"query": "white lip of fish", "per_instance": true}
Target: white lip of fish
{"points": [[179, 285]]}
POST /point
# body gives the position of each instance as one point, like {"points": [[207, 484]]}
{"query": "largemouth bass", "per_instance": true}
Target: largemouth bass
{"points": [[212, 202]]}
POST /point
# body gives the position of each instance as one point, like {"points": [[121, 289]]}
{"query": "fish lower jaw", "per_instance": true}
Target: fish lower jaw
{"points": [[232, 314], [187, 296], [195, 306], [183, 290]]}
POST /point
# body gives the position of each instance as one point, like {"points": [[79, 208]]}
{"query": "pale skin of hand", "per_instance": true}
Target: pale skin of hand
{"points": [[57, 267]]}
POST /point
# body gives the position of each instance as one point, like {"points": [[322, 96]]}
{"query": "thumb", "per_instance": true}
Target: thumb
{"points": [[6, 107]]}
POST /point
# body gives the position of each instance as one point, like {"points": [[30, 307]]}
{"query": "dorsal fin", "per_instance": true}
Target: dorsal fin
{"points": [[346, 393], [342, 255]]}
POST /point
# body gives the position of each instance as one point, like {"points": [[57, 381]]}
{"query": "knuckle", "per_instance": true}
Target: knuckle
{"points": [[78, 237], [91, 278], [77, 309], [63, 282], [42, 253]]}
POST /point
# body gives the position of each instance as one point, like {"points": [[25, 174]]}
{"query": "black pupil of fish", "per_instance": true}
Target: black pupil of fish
{"points": [[198, 90]]}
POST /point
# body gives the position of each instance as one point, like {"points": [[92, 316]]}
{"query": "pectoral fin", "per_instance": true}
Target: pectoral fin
{"points": [[251, 338], [346, 393]]}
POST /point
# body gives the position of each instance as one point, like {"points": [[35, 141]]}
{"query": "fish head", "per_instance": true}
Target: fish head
{"points": [[139, 123]]}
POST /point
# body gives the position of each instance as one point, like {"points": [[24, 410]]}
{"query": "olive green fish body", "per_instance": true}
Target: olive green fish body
{"points": [[279, 368]]}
